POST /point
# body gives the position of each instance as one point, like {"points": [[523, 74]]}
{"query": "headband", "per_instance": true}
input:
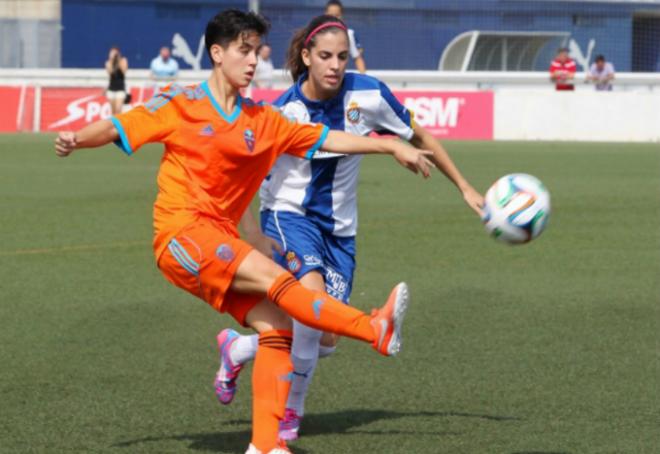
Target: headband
{"points": [[321, 27]]}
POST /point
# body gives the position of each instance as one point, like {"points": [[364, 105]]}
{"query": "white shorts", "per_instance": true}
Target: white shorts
{"points": [[112, 95]]}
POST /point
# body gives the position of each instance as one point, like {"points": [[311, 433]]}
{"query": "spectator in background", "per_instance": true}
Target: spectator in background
{"points": [[562, 71], [263, 76], [164, 69], [335, 8], [116, 66], [601, 73]]}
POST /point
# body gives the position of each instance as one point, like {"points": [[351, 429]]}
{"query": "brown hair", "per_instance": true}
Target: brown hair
{"points": [[302, 40], [229, 24]]}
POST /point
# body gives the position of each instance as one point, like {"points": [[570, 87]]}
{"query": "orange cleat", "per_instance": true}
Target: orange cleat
{"points": [[387, 321]]}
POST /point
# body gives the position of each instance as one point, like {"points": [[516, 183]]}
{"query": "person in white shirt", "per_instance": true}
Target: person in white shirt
{"points": [[263, 76], [601, 73], [164, 69], [336, 8]]}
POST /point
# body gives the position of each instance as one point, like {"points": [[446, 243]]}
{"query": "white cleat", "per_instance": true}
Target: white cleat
{"points": [[253, 450]]}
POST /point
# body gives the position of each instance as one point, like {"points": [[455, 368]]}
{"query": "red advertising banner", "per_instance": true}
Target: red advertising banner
{"points": [[72, 108], [17, 108], [447, 115], [452, 115]]}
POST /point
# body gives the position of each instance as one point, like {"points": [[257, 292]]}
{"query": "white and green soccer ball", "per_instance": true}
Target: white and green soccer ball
{"points": [[517, 208]]}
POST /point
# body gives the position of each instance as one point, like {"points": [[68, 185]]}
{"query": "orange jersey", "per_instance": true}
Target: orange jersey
{"points": [[213, 163]]}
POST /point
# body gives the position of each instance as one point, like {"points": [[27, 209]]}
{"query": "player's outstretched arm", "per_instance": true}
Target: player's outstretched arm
{"points": [[360, 65], [423, 139], [413, 159], [97, 134]]}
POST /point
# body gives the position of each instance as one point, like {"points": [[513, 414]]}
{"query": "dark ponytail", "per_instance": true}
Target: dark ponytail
{"points": [[294, 61]]}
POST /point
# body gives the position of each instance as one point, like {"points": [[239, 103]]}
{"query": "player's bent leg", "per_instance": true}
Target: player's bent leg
{"points": [[258, 274]]}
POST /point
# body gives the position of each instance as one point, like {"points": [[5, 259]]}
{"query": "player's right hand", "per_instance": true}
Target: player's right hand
{"points": [[414, 159], [265, 244], [65, 143]]}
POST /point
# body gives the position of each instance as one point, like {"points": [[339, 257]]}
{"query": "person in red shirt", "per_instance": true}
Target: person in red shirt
{"points": [[219, 147], [562, 71]]}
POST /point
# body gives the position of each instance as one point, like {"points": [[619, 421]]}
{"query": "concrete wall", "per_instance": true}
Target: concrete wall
{"points": [[30, 32], [632, 116], [30, 9]]}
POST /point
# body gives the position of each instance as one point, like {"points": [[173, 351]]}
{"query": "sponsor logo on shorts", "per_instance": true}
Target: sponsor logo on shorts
{"points": [[248, 135], [353, 113], [225, 252], [293, 262], [336, 285], [312, 260]]}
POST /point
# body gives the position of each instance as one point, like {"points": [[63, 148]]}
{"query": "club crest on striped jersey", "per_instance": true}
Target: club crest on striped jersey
{"points": [[353, 113], [293, 262], [250, 140]]}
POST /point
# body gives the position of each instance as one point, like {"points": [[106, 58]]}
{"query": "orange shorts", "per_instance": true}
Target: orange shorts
{"points": [[202, 259]]}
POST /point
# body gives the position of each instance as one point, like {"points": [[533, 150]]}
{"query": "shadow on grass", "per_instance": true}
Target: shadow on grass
{"points": [[350, 421], [221, 442], [541, 452], [341, 422]]}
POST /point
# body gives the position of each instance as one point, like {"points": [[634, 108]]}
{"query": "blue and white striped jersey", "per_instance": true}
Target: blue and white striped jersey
{"points": [[325, 188]]}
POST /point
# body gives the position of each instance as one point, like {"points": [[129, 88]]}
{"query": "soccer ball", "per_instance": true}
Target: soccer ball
{"points": [[517, 208]]}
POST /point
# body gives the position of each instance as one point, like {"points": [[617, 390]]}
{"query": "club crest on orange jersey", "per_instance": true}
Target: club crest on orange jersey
{"points": [[225, 252], [353, 113], [293, 262], [248, 135]]}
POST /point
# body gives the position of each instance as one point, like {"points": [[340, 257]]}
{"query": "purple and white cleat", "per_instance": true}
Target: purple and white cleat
{"points": [[290, 425], [225, 379]]}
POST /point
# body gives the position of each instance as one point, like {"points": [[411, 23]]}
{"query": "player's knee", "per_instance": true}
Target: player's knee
{"points": [[282, 322], [329, 340], [306, 334], [267, 317]]}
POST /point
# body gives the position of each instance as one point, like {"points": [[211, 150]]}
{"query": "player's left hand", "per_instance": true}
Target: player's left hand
{"points": [[265, 244], [474, 200], [65, 143]]}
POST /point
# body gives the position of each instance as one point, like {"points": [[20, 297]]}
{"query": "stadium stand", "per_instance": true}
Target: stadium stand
{"points": [[420, 30]]}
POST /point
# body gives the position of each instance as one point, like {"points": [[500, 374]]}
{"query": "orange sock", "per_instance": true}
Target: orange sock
{"points": [[319, 310], [271, 380]]}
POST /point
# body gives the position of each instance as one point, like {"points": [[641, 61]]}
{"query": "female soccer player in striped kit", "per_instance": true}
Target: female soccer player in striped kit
{"points": [[218, 149], [309, 208]]}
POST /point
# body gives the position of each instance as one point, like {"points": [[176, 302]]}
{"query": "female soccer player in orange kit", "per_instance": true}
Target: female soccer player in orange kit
{"points": [[309, 207], [218, 149]]}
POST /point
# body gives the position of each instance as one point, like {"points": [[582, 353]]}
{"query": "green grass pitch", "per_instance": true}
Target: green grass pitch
{"points": [[546, 348]]}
